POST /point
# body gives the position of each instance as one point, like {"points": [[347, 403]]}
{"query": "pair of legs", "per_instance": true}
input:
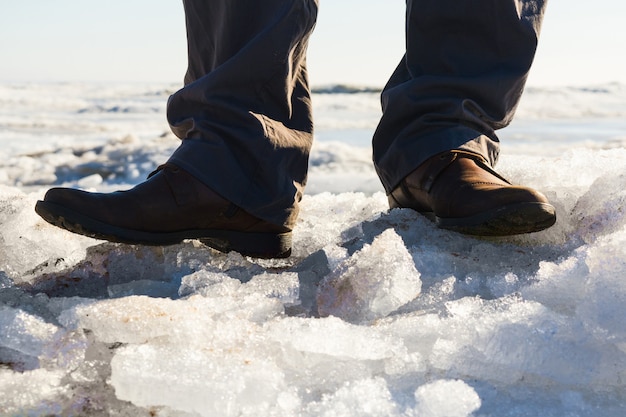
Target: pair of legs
{"points": [[244, 117], [245, 112]]}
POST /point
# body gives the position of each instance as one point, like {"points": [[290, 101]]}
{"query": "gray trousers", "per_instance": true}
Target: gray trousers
{"points": [[244, 113]]}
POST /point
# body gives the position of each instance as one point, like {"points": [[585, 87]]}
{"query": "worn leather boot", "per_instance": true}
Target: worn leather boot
{"points": [[167, 208], [459, 191]]}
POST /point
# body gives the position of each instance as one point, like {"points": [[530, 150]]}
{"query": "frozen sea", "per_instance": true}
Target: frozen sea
{"points": [[376, 313]]}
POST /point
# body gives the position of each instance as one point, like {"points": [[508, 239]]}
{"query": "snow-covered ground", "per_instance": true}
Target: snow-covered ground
{"points": [[377, 313]]}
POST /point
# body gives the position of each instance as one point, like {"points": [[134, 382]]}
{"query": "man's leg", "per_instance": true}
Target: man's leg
{"points": [[244, 114], [464, 71], [244, 117]]}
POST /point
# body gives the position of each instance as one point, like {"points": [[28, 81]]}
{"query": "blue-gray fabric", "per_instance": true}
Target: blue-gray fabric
{"points": [[245, 117]]}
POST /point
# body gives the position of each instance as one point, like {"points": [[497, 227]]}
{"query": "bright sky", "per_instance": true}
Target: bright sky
{"points": [[144, 40]]}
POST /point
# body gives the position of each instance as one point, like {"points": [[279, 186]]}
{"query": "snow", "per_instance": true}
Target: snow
{"points": [[376, 313]]}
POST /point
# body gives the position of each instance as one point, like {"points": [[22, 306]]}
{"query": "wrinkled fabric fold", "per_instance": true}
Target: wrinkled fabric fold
{"points": [[461, 79], [244, 113]]}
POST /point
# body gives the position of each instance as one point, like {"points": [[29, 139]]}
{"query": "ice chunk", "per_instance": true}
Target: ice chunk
{"points": [[334, 337], [207, 282], [24, 332], [28, 243], [606, 292], [509, 340], [446, 398], [28, 342], [138, 319], [602, 209], [90, 181], [372, 283], [209, 382], [324, 354], [561, 285], [360, 398], [325, 215], [31, 393], [283, 286]]}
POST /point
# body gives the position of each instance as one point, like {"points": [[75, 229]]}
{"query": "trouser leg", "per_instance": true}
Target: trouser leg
{"points": [[244, 114], [461, 78]]}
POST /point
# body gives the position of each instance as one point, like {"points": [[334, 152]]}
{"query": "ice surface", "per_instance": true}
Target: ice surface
{"points": [[372, 283], [24, 332], [33, 392], [376, 313], [446, 398], [23, 250]]}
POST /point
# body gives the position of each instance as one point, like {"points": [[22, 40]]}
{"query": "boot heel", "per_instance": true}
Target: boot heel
{"points": [[256, 245]]}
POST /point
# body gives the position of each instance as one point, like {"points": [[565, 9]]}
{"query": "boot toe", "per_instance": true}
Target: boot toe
{"points": [[169, 207], [461, 193]]}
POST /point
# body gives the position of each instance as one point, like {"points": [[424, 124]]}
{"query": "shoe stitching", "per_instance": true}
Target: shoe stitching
{"points": [[484, 183]]}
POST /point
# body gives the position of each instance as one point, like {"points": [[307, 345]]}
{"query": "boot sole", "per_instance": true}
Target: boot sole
{"points": [[253, 244], [504, 221]]}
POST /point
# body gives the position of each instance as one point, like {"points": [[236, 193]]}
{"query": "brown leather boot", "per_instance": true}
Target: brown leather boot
{"points": [[167, 208], [459, 191]]}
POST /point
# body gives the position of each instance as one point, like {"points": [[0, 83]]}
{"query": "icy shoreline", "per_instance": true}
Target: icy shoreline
{"points": [[377, 313], [423, 317]]}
